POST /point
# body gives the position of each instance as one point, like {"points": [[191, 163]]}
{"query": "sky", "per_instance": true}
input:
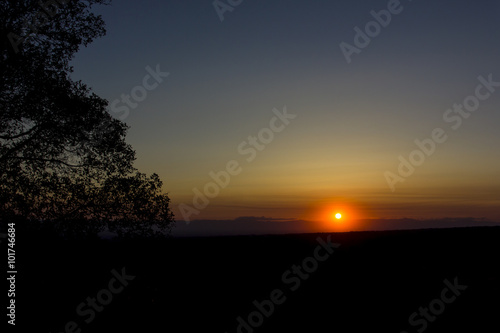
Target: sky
{"points": [[301, 109]]}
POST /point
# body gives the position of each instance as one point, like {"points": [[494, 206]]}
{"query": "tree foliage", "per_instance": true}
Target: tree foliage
{"points": [[63, 158]]}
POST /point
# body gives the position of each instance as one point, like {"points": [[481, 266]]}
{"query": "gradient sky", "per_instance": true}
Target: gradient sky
{"points": [[353, 120]]}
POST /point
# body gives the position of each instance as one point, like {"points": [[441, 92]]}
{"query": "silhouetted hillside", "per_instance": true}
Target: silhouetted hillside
{"points": [[373, 281], [248, 225]]}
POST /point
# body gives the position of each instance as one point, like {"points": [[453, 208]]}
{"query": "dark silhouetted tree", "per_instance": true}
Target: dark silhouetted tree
{"points": [[63, 158]]}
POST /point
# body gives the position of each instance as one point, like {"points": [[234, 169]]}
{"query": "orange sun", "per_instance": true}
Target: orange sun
{"points": [[336, 216]]}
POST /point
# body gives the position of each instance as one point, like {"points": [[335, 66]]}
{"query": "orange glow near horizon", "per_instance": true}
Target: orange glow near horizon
{"points": [[337, 216]]}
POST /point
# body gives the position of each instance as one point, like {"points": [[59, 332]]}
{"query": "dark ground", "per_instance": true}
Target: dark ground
{"points": [[372, 283]]}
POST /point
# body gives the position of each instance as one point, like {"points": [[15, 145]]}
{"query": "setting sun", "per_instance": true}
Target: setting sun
{"points": [[336, 215]]}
